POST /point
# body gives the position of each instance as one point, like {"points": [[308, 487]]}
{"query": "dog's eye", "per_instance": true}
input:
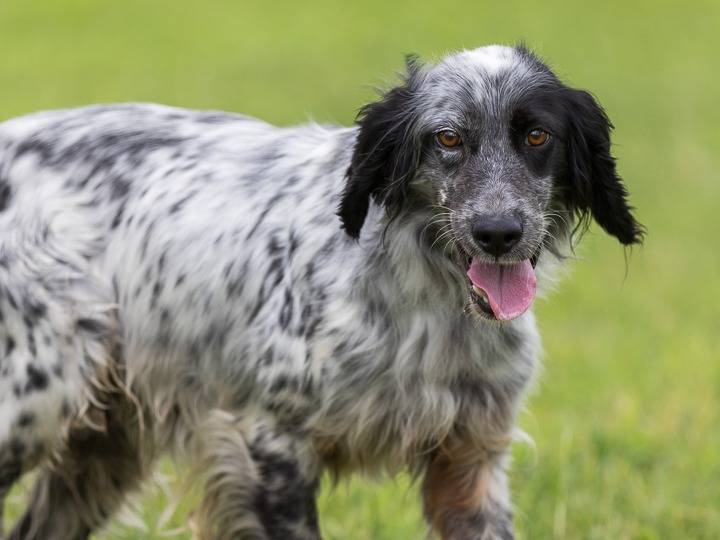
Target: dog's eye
{"points": [[537, 137], [448, 138]]}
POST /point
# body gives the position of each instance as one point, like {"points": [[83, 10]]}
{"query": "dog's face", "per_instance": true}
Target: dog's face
{"points": [[508, 157]]}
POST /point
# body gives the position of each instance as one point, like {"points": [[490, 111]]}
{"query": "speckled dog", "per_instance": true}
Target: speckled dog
{"points": [[271, 303]]}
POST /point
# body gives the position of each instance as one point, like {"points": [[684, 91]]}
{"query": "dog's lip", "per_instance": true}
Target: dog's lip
{"points": [[535, 256], [467, 257]]}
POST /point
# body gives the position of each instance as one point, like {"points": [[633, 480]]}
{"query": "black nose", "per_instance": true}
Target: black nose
{"points": [[497, 234]]}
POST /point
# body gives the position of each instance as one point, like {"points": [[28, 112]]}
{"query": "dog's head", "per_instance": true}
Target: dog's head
{"points": [[510, 158]]}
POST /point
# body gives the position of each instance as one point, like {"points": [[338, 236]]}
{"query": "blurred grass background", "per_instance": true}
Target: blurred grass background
{"points": [[626, 416]]}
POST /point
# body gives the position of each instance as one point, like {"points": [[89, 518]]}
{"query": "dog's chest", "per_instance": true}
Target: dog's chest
{"points": [[387, 399]]}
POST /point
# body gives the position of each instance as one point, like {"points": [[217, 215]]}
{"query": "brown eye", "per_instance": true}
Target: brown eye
{"points": [[448, 138], [537, 137]]}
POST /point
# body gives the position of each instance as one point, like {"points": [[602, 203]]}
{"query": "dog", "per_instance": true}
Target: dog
{"points": [[271, 304]]}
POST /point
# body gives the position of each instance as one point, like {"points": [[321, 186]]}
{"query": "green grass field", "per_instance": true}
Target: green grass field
{"points": [[626, 416]]}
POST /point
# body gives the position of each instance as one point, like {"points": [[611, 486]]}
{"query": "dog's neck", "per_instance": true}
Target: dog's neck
{"points": [[400, 252]]}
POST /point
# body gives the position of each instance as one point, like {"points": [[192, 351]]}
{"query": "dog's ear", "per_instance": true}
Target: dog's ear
{"points": [[386, 152], [595, 187]]}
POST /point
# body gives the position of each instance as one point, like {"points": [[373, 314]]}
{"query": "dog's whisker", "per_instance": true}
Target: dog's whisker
{"points": [[441, 236]]}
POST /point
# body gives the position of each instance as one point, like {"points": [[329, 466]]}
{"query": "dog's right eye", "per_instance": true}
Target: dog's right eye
{"points": [[448, 138], [537, 137]]}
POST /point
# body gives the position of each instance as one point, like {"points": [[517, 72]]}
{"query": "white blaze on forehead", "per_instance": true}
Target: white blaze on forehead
{"points": [[478, 70], [491, 59]]}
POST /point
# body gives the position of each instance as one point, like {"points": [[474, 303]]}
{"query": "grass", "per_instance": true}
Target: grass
{"points": [[626, 415]]}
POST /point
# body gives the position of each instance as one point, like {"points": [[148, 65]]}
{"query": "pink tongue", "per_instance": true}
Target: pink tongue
{"points": [[509, 287]]}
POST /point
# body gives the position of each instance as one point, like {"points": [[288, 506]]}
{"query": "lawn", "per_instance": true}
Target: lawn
{"points": [[626, 416]]}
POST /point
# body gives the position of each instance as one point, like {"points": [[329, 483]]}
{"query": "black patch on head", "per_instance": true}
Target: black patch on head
{"points": [[386, 154], [590, 185]]}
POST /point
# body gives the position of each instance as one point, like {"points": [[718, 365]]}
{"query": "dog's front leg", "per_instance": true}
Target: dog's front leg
{"points": [[466, 495], [261, 481]]}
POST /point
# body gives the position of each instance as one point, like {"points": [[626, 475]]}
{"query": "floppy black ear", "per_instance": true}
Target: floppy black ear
{"points": [[386, 153], [595, 186]]}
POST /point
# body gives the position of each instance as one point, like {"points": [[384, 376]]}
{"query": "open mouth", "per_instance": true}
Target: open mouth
{"points": [[480, 301], [501, 291]]}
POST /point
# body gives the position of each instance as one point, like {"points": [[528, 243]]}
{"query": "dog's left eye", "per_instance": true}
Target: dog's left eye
{"points": [[537, 137], [448, 138]]}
